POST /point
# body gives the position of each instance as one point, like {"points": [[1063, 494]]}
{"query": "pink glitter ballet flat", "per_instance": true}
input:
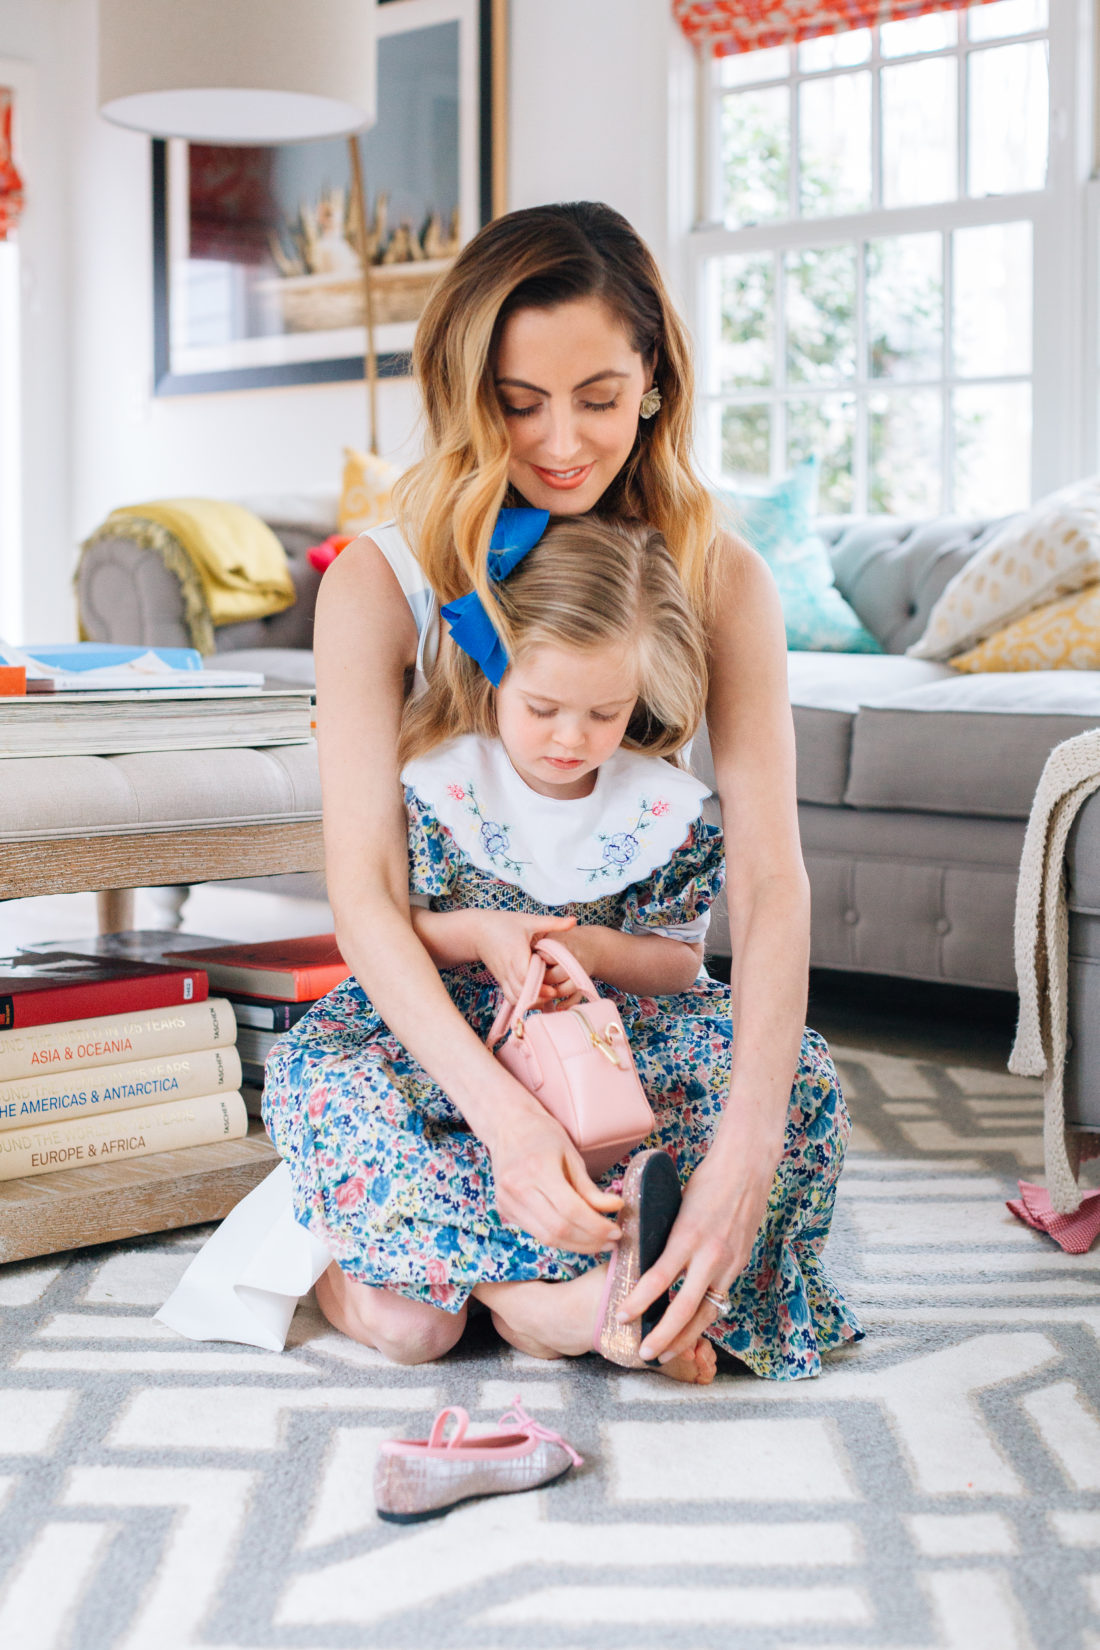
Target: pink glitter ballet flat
{"points": [[418, 1478], [651, 1201]]}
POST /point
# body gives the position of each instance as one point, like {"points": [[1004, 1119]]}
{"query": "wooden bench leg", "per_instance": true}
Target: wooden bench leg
{"points": [[168, 903], [115, 910]]}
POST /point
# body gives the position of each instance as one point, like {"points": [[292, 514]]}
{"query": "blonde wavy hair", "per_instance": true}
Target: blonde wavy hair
{"points": [[539, 258], [589, 583]]}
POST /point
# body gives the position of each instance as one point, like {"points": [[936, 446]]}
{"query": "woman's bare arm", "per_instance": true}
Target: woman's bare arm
{"points": [[752, 743], [365, 644]]}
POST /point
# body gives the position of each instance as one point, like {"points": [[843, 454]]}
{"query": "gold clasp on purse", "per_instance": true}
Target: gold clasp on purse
{"points": [[598, 1042]]}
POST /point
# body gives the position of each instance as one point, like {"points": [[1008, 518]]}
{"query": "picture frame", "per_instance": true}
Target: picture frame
{"points": [[256, 276]]}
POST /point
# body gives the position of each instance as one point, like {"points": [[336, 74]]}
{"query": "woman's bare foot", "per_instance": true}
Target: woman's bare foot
{"points": [[554, 1320]]}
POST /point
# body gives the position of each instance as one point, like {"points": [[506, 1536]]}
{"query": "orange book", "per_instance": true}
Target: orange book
{"points": [[296, 971], [13, 682]]}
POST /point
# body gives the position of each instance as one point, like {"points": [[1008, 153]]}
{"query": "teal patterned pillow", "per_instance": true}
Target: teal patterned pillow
{"points": [[776, 521]]}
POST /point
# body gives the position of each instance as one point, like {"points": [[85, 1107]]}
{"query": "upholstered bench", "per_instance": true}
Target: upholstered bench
{"points": [[70, 823]]}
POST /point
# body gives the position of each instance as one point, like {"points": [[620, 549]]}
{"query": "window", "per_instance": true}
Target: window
{"points": [[887, 269]]}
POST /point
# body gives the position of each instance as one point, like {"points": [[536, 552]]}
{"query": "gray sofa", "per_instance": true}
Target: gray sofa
{"points": [[914, 783]]}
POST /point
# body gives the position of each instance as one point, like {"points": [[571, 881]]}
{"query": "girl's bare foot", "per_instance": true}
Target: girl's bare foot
{"points": [[554, 1320], [405, 1331]]}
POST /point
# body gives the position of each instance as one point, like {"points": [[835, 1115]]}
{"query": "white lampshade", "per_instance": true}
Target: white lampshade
{"points": [[238, 71]]}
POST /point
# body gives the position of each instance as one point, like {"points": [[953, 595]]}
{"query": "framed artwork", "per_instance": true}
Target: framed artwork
{"points": [[256, 274]]}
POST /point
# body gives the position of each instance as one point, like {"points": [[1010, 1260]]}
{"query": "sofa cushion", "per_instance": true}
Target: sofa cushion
{"points": [[775, 519], [967, 744], [1061, 635], [826, 691], [1050, 551]]}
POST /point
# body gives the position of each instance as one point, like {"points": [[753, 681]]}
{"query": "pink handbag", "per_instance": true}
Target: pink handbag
{"points": [[577, 1061]]}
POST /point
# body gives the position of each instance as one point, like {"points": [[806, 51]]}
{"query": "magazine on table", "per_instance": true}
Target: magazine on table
{"points": [[66, 669]]}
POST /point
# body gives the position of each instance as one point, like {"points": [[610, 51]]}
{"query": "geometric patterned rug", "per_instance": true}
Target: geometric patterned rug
{"points": [[937, 1489]]}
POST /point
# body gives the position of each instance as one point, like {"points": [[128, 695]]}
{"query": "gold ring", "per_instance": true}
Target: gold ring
{"points": [[722, 1302]]}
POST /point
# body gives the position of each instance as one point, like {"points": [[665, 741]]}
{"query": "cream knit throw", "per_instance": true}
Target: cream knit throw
{"points": [[1071, 774]]}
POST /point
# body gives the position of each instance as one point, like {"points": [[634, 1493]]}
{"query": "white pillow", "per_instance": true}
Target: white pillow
{"points": [[1051, 550]]}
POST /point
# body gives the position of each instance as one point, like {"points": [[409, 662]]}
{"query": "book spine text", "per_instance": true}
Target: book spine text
{"points": [[82, 1142], [58, 1095], [111, 1039]]}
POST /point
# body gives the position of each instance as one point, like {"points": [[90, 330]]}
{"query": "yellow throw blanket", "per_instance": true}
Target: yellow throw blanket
{"points": [[240, 563]]}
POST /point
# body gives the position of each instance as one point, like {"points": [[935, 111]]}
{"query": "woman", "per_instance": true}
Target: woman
{"points": [[556, 374]]}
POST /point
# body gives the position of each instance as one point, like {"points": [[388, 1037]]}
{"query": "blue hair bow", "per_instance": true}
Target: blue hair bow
{"points": [[516, 533]]}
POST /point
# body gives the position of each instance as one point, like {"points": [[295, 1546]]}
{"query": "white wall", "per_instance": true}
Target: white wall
{"points": [[588, 100], [130, 445], [33, 35], [589, 106]]}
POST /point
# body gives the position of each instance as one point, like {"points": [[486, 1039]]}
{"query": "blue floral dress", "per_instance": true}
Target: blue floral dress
{"points": [[383, 1167]]}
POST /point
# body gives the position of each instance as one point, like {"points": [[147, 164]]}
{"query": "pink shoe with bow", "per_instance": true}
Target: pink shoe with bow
{"points": [[418, 1478]]}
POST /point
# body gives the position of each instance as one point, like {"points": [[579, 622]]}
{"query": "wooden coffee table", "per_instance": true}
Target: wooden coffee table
{"points": [[73, 1208]]}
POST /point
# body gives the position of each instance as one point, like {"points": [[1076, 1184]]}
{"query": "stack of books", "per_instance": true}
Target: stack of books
{"points": [[270, 986], [108, 1058], [92, 700]]}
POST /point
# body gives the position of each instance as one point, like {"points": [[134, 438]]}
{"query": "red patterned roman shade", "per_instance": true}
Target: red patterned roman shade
{"points": [[725, 27], [11, 184]]}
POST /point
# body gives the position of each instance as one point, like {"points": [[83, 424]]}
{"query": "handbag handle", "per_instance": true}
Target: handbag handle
{"points": [[544, 951]]}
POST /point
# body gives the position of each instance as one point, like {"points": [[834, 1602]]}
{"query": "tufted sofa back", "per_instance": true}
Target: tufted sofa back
{"points": [[892, 571]]}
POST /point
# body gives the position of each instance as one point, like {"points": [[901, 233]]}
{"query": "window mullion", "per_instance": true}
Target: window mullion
{"points": [[962, 96], [779, 368], [876, 123], [794, 170], [948, 494], [861, 457], [716, 181]]}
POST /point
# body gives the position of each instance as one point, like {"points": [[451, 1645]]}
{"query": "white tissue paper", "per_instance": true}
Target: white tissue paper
{"points": [[247, 1279]]}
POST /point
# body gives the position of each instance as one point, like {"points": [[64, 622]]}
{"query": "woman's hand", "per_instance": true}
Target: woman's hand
{"points": [[504, 941], [709, 1246], [542, 1185]]}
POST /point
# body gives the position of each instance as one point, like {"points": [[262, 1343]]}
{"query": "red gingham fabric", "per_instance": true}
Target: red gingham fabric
{"points": [[725, 27], [11, 184], [1075, 1233]]}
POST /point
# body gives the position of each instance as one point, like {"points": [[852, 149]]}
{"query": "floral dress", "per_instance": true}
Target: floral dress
{"points": [[383, 1167]]}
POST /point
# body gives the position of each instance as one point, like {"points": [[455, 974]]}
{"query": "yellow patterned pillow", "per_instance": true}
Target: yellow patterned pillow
{"points": [[1050, 551], [1063, 635], [365, 498]]}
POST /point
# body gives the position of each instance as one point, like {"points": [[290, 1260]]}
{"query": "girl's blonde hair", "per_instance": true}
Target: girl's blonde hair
{"points": [[539, 258], [588, 583]]}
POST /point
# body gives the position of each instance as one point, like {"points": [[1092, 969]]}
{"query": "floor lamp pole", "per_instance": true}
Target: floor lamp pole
{"points": [[371, 364]]}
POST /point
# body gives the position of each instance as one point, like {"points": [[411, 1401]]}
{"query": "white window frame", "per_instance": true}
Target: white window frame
{"points": [[19, 76], [1065, 217]]}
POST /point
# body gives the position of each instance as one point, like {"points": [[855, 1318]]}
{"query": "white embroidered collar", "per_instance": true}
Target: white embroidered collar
{"points": [[557, 851]]}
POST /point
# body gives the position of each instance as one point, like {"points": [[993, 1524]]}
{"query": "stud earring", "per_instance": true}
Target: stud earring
{"points": [[651, 402]]}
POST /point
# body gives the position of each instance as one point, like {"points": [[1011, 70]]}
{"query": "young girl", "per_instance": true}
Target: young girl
{"points": [[545, 794]]}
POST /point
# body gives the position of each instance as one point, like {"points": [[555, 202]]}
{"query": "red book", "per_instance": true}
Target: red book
{"points": [[295, 971], [39, 988]]}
